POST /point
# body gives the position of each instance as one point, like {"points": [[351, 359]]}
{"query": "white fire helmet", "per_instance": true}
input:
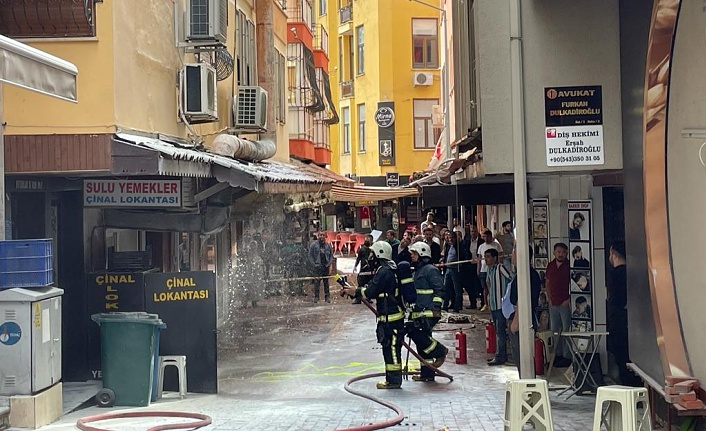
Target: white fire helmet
{"points": [[421, 248], [382, 250]]}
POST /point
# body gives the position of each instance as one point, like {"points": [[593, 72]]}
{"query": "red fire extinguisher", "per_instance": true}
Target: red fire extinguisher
{"points": [[490, 341], [538, 357], [461, 357]]}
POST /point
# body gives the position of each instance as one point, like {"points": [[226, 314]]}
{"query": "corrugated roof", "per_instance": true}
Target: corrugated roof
{"points": [[267, 171], [318, 171], [369, 193]]}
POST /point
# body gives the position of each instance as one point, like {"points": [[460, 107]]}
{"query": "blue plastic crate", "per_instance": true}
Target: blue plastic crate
{"points": [[21, 264], [26, 248], [26, 279]]}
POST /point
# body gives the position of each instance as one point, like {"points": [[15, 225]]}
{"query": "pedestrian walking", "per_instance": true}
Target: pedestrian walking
{"points": [[384, 288], [321, 258]]}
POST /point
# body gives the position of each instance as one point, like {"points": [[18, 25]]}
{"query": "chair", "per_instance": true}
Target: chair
{"points": [[628, 409], [175, 361], [527, 401], [342, 239], [359, 241], [350, 244]]}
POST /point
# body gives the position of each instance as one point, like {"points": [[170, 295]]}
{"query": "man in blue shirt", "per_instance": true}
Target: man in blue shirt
{"points": [[497, 280]]}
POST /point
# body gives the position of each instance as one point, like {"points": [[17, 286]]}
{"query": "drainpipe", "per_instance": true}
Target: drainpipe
{"points": [[524, 301]]}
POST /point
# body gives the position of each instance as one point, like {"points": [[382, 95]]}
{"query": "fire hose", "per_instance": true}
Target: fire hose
{"points": [[400, 414], [202, 420]]}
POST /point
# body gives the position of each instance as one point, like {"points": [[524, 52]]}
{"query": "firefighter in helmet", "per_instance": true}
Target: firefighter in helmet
{"points": [[385, 290], [427, 310]]}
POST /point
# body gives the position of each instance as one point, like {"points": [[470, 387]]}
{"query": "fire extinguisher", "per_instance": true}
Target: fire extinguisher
{"points": [[538, 357], [461, 357], [490, 341]]}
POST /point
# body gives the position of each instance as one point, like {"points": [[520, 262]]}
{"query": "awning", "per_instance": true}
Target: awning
{"points": [[30, 68], [139, 155], [368, 193]]}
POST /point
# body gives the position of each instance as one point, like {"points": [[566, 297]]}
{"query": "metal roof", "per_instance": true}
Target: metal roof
{"points": [[266, 171]]}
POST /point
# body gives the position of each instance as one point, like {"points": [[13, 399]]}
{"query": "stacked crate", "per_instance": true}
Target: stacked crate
{"points": [[26, 263]]}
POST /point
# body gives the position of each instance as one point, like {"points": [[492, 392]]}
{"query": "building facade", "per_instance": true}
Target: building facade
{"points": [[160, 164]]}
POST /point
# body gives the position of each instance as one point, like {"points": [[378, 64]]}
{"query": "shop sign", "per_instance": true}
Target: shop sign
{"points": [[385, 119], [10, 333], [132, 193], [574, 125], [574, 146], [385, 116], [392, 179]]}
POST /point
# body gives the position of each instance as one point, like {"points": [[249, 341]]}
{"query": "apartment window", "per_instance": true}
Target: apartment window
{"points": [[246, 58], [322, 7], [425, 136], [361, 127], [360, 45], [281, 97], [340, 59], [346, 129], [425, 43], [59, 19]]}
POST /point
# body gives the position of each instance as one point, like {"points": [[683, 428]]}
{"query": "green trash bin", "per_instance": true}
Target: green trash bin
{"points": [[127, 357]]}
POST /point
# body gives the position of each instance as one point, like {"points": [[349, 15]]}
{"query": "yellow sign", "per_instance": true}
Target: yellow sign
{"points": [[37, 315], [184, 295]]}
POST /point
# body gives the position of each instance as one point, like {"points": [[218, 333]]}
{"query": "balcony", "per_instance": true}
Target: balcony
{"points": [[347, 88], [320, 38], [345, 13], [300, 11], [47, 19]]}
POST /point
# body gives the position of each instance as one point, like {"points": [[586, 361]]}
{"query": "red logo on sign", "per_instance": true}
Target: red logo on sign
{"points": [[551, 133]]}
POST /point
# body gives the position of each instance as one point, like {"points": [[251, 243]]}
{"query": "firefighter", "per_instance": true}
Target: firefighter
{"points": [[384, 288], [426, 311]]}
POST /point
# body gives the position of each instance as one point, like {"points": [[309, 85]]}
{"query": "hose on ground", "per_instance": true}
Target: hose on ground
{"points": [[400, 414], [202, 421]]}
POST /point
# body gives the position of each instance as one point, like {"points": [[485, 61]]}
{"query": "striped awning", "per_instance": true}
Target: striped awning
{"points": [[368, 193]]}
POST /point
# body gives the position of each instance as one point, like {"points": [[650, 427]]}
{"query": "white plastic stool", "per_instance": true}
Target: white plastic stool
{"points": [[527, 401], [628, 409], [176, 361]]}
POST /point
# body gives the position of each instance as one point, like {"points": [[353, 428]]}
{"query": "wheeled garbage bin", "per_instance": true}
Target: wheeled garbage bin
{"points": [[127, 355]]}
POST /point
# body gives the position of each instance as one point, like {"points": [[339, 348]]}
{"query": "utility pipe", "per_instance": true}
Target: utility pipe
{"points": [[524, 301]]}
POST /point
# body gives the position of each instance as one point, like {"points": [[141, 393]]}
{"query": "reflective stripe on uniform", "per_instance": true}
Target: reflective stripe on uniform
{"points": [[431, 347], [391, 317], [395, 360], [362, 292], [425, 291], [407, 280], [393, 367], [437, 299], [425, 313]]}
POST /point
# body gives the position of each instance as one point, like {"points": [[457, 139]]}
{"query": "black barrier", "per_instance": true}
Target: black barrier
{"points": [[110, 292], [186, 302]]}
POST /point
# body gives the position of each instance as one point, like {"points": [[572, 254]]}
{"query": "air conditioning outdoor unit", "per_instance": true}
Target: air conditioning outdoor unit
{"points": [[206, 20], [423, 78], [250, 109], [197, 88]]}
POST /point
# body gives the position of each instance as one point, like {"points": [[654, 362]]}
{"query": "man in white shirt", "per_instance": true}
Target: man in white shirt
{"points": [[458, 229], [429, 222], [488, 242]]}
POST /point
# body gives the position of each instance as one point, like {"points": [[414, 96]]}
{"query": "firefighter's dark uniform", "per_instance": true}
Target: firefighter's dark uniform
{"points": [[426, 313], [383, 288]]}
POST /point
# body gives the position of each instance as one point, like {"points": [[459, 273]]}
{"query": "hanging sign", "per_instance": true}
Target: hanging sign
{"points": [[574, 126], [581, 264], [385, 116], [385, 120]]}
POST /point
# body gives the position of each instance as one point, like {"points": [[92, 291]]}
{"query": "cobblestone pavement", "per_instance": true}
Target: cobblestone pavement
{"points": [[282, 366]]}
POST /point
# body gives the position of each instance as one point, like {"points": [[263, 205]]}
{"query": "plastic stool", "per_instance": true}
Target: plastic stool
{"points": [[176, 361], [628, 409], [527, 401]]}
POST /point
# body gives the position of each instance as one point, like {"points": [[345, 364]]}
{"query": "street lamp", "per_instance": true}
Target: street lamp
{"points": [[445, 96]]}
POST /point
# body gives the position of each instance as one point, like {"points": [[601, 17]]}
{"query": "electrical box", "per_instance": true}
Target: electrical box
{"points": [[30, 340]]}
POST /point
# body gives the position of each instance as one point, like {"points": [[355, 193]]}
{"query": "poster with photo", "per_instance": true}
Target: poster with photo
{"points": [[541, 248], [579, 254], [580, 281], [540, 230], [580, 233]]}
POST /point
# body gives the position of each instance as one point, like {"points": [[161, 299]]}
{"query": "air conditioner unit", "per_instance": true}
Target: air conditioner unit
{"points": [[197, 87], [423, 78], [206, 20], [250, 108]]}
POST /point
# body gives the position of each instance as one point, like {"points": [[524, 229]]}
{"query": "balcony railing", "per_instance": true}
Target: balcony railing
{"points": [[47, 19], [347, 88], [320, 38], [346, 13], [300, 11]]}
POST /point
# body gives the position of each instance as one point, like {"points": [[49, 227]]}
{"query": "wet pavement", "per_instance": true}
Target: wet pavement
{"points": [[283, 365]]}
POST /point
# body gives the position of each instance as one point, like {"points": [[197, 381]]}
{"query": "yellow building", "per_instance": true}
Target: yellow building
{"points": [[383, 54]]}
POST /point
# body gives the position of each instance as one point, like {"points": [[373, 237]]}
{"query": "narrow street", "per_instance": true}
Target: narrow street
{"points": [[283, 365]]}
